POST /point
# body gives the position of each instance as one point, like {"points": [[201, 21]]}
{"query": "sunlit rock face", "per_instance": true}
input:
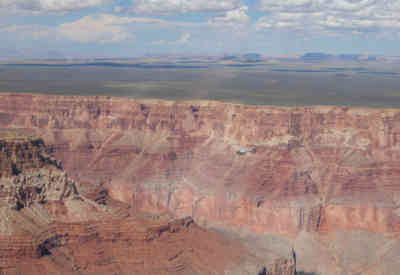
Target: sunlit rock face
{"points": [[304, 172], [51, 224]]}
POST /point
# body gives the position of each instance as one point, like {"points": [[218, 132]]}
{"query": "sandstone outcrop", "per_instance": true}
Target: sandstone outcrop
{"points": [[49, 225]]}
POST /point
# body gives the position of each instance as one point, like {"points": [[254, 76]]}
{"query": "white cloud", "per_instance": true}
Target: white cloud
{"points": [[183, 40], [317, 5], [49, 5], [331, 16], [234, 17], [104, 28], [350, 5], [168, 7], [288, 5]]}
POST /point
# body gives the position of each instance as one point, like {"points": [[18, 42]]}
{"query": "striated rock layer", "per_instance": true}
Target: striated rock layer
{"points": [[130, 246], [306, 172], [49, 226]]}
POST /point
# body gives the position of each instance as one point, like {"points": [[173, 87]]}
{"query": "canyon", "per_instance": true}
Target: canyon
{"points": [[322, 180], [51, 224]]}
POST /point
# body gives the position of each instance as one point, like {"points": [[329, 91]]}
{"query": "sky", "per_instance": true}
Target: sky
{"points": [[134, 28]]}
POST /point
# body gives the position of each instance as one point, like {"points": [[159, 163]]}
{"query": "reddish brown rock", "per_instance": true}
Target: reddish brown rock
{"points": [[258, 169], [207, 158], [47, 226], [18, 153], [130, 246]]}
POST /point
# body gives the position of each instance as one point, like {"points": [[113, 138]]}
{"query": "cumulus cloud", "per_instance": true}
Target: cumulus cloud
{"points": [[167, 7], [104, 28], [316, 5], [100, 28], [49, 5], [331, 16], [234, 17], [288, 5]]}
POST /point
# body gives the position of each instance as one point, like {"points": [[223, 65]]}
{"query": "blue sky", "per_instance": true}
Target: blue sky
{"points": [[131, 28]]}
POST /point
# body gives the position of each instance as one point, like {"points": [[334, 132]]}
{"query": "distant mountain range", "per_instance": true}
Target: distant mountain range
{"points": [[319, 56], [309, 57]]}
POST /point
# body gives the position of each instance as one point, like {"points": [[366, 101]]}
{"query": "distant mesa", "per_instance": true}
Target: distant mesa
{"points": [[252, 57], [356, 57], [316, 56], [248, 57]]}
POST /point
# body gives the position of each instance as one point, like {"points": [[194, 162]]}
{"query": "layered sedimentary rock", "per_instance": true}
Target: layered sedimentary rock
{"points": [[130, 246], [21, 153], [296, 172], [308, 163], [50, 225]]}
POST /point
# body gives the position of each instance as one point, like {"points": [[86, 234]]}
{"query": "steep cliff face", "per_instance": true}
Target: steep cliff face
{"points": [[232, 163], [49, 226], [289, 171], [29, 174]]}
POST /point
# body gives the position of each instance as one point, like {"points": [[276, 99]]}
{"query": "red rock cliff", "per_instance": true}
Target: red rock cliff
{"points": [[267, 169], [48, 227]]}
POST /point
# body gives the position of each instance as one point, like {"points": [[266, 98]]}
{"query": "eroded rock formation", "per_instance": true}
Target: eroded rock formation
{"points": [[307, 174], [49, 225], [22, 153]]}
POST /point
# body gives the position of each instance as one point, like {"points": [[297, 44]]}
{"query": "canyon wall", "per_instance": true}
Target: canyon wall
{"points": [[288, 171], [131, 246], [49, 225]]}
